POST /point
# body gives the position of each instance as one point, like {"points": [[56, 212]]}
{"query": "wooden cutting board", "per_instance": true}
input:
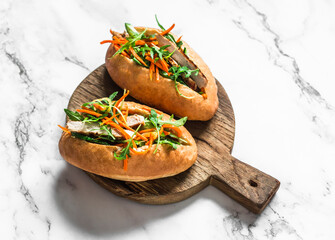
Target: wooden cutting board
{"points": [[214, 166]]}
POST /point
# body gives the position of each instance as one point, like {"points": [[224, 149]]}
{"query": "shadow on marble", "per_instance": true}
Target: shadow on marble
{"points": [[94, 210]]}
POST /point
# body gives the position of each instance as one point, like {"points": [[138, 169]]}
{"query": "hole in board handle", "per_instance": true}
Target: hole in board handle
{"points": [[253, 183]]}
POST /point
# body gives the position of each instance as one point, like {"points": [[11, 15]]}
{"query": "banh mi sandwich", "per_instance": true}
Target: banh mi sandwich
{"points": [[126, 140], [162, 72]]}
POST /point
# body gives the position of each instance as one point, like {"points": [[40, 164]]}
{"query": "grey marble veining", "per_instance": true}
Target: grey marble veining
{"points": [[274, 59]]}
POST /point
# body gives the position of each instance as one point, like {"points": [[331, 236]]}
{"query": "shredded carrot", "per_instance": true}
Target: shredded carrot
{"points": [[204, 95], [136, 56], [120, 100], [126, 114], [166, 133], [176, 129], [129, 128], [147, 134], [146, 150], [119, 145], [158, 64], [168, 30], [151, 69], [110, 30], [64, 129], [161, 130], [179, 39], [106, 41], [140, 43], [148, 130], [157, 74], [150, 39], [149, 109], [121, 119], [106, 119], [121, 130], [153, 132], [97, 106], [120, 39], [118, 42], [123, 52], [164, 65], [125, 163], [132, 150], [89, 112], [134, 144]]}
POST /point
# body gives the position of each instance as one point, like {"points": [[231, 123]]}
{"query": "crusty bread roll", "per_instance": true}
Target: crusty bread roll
{"points": [[162, 94], [99, 159]]}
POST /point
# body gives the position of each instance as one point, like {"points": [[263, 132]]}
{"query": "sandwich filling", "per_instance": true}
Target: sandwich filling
{"points": [[162, 55], [109, 122]]}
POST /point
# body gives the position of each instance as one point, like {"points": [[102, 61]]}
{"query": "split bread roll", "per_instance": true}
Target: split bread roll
{"points": [[99, 159], [162, 94]]}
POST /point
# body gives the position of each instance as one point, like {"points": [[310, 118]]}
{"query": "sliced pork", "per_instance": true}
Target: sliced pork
{"points": [[93, 128], [182, 60]]}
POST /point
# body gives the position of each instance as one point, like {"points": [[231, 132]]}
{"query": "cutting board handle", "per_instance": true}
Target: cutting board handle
{"points": [[247, 185]]}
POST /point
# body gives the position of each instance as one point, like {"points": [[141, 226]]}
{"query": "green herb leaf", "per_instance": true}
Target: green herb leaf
{"points": [[180, 140], [104, 127], [113, 95], [131, 30], [130, 43], [125, 151], [153, 117], [74, 116], [171, 142], [171, 38], [164, 47], [185, 51], [179, 44], [170, 54], [178, 123], [157, 122], [144, 49], [154, 120], [178, 71], [88, 139], [138, 62], [159, 23]]}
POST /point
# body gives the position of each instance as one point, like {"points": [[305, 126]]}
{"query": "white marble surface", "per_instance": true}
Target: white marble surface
{"points": [[274, 58]]}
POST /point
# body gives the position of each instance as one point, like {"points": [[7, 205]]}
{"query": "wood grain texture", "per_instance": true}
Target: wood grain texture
{"points": [[250, 187]]}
